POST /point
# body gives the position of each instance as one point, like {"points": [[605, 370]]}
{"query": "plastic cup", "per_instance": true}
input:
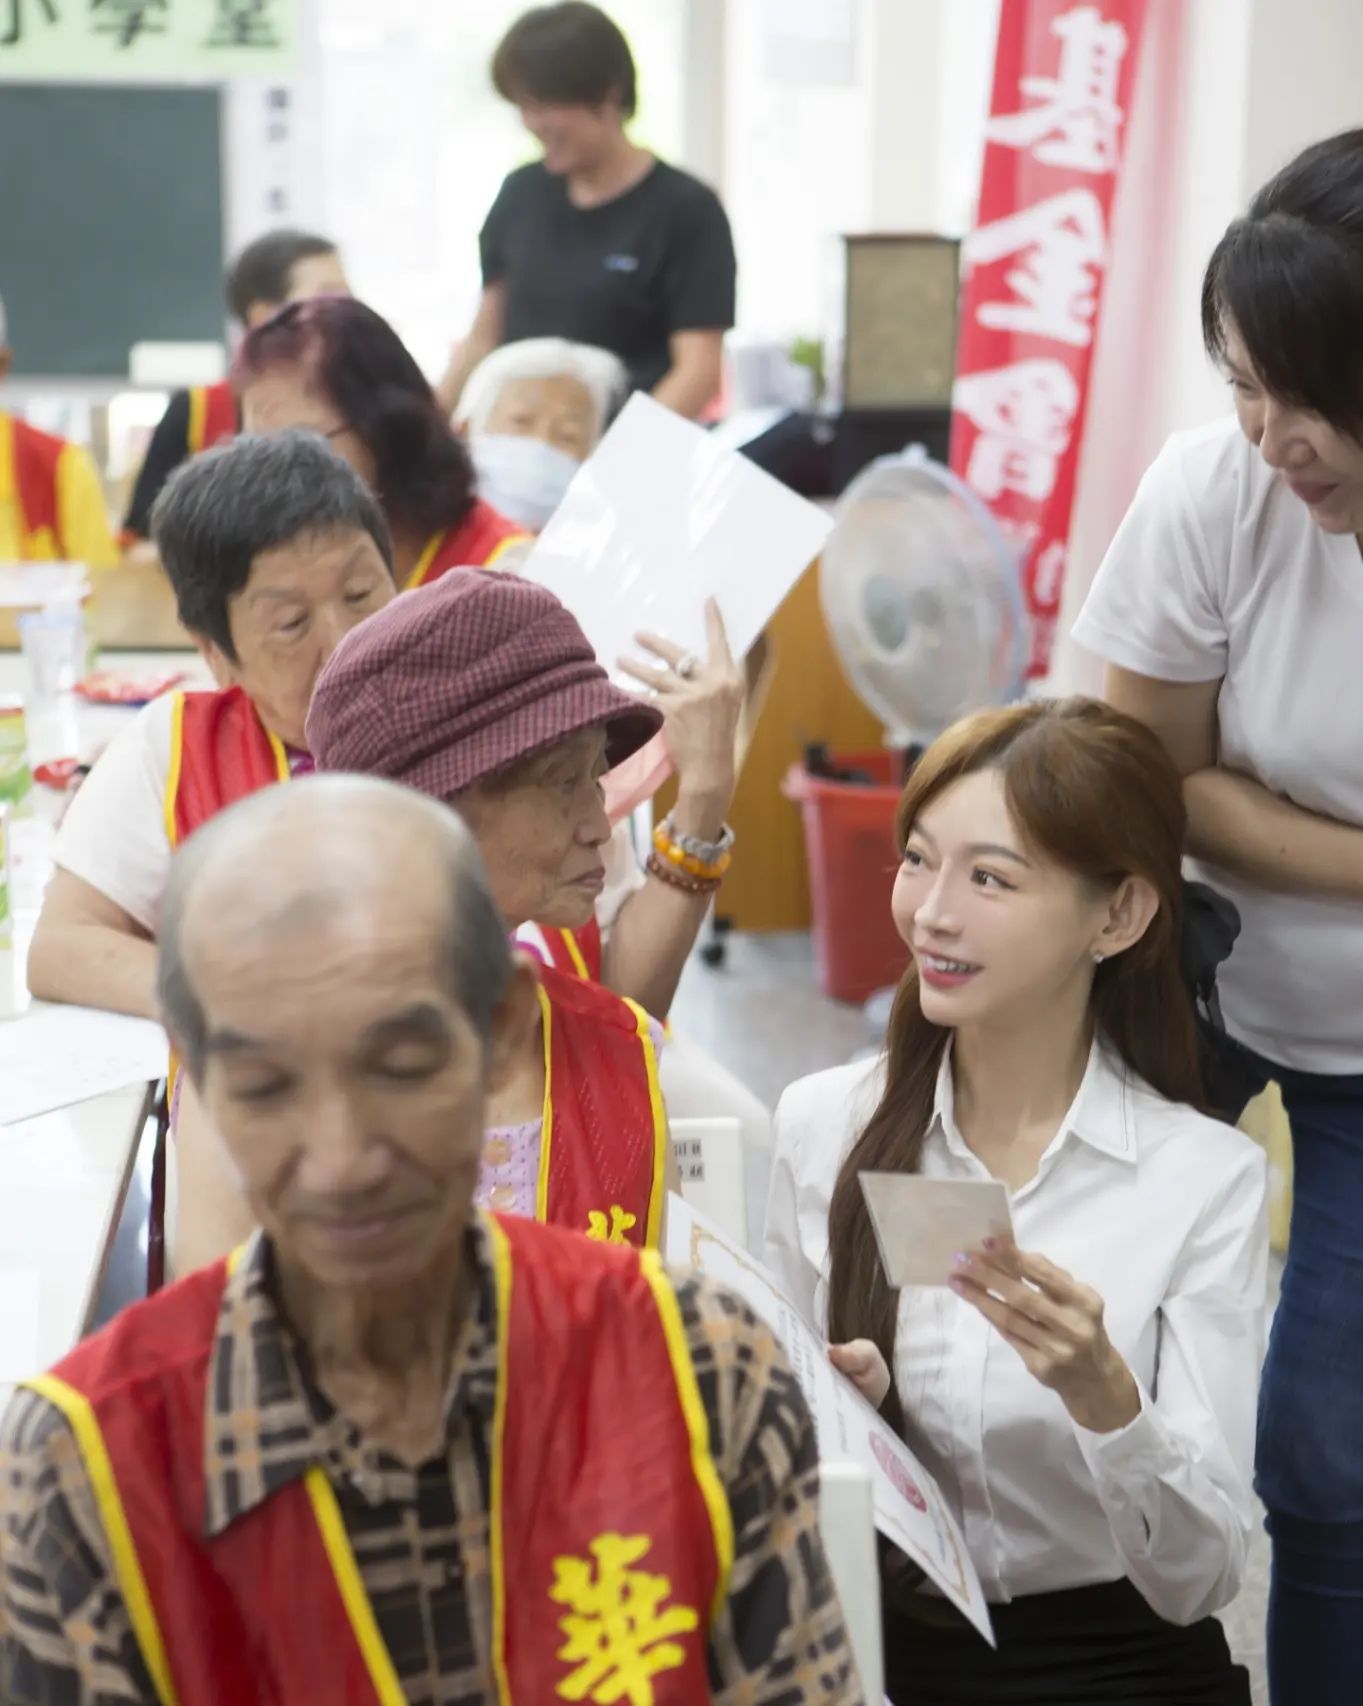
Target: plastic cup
{"points": [[53, 642]]}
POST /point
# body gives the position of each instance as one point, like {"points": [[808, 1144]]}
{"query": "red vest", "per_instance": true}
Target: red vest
{"points": [[34, 456], [588, 1518], [220, 751], [478, 541], [576, 953], [605, 1140], [212, 416]]}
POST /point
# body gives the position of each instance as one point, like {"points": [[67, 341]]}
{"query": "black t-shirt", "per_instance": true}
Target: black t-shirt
{"points": [[169, 447], [626, 275]]}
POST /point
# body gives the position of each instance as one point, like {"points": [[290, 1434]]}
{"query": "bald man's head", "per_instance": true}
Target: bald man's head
{"points": [[342, 988], [352, 862]]}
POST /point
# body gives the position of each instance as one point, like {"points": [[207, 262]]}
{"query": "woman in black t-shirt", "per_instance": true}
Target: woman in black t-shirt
{"points": [[598, 242]]}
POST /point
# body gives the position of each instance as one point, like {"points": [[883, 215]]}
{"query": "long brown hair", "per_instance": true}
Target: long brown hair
{"points": [[1095, 791]]}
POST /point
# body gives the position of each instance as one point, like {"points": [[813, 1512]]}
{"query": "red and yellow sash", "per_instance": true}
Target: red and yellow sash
{"points": [[212, 416], [478, 541], [28, 482], [604, 1137], [616, 1540], [220, 752], [576, 953]]}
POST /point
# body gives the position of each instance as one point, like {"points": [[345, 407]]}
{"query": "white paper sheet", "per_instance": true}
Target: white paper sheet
{"points": [[921, 1225], [909, 1508], [54, 1056], [660, 518]]}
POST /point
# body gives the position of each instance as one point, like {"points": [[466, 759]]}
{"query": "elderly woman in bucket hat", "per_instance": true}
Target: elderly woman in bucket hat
{"points": [[483, 691]]}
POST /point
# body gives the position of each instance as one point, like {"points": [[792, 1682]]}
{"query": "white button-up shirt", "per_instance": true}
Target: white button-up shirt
{"points": [[1164, 1214]]}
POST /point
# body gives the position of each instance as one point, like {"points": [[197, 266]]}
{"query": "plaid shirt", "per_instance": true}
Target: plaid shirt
{"points": [[420, 1536]]}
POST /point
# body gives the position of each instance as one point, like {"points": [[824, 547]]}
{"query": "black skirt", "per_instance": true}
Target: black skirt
{"points": [[1077, 1648]]}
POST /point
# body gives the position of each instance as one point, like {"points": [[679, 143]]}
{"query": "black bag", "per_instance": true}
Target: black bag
{"points": [[1211, 924]]}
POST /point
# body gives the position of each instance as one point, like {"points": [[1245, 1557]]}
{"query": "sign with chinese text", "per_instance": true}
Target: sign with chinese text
{"points": [[1063, 77], [144, 40]]}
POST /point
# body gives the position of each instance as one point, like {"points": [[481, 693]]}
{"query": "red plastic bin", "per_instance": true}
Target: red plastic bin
{"points": [[849, 843]]}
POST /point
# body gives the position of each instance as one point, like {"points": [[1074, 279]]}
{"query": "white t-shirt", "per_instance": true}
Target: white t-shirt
{"points": [[1219, 573], [114, 833], [1164, 1214]]}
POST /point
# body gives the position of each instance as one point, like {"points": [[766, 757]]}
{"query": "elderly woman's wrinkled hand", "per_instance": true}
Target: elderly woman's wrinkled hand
{"points": [[701, 700]]}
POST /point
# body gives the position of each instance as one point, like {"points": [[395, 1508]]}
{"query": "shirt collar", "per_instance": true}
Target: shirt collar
{"points": [[1100, 1116], [266, 1423]]}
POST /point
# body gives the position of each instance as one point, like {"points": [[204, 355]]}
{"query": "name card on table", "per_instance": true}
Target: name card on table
{"points": [[53, 1057], [658, 519], [909, 1508]]}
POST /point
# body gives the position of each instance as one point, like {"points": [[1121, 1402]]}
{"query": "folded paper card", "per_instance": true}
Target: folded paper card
{"points": [[908, 1505], [922, 1224], [658, 519]]}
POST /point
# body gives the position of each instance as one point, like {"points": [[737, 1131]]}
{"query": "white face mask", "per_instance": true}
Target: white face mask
{"points": [[524, 478]]}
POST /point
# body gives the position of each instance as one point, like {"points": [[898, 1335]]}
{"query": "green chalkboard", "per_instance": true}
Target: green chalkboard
{"points": [[111, 223]]}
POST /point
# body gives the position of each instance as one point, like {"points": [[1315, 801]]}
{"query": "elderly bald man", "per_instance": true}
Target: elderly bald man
{"points": [[397, 1449]]}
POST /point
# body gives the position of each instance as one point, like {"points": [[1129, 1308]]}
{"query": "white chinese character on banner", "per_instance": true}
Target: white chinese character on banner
{"points": [[1024, 413], [1061, 243], [1078, 122]]}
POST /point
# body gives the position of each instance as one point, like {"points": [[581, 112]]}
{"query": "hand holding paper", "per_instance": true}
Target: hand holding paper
{"points": [[1056, 1327]]}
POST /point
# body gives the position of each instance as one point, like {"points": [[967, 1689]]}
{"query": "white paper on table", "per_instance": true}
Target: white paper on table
{"points": [[54, 1056], [25, 586], [658, 519], [909, 1508], [921, 1225], [20, 1302]]}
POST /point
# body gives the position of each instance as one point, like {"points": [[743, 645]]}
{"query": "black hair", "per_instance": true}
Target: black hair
{"points": [[261, 271], [569, 55], [1288, 277], [422, 469], [219, 511]]}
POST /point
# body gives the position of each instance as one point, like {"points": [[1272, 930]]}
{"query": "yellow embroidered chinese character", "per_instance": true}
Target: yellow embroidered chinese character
{"points": [[620, 1223], [620, 1635]]}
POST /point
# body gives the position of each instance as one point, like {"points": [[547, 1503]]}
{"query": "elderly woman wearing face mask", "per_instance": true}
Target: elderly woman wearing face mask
{"points": [[532, 413], [482, 691]]}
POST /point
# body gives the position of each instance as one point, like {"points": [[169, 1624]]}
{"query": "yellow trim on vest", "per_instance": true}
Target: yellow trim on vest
{"points": [[502, 547], [423, 562], [132, 1583], [697, 1424], [501, 1268], [356, 1601], [198, 419], [575, 954], [547, 1117], [280, 751], [177, 754], [644, 1025]]}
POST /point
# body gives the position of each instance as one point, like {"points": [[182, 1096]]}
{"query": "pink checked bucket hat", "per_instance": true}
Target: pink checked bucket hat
{"points": [[460, 680]]}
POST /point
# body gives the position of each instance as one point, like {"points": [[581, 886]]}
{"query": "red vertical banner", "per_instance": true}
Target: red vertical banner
{"points": [[1034, 268]]}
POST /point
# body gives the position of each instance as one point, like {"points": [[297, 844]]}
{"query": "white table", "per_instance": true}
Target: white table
{"points": [[63, 1176]]}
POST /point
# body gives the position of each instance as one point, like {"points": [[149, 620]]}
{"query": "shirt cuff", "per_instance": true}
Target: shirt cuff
{"points": [[1134, 1449]]}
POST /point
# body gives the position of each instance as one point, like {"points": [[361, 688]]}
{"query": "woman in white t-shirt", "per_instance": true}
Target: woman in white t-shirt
{"points": [[1230, 612], [1087, 1405]]}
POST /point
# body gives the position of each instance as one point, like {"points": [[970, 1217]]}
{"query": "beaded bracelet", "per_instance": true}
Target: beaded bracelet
{"points": [[708, 864], [677, 878]]}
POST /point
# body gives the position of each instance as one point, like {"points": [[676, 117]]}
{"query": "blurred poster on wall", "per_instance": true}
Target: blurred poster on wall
{"points": [[129, 41], [1034, 264]]}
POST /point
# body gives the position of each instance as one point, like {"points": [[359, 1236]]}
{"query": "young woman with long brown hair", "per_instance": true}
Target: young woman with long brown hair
{"points": [[1086, 1395]]}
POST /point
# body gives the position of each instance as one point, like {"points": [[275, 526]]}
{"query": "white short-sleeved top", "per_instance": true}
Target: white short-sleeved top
{"points": [[1219, 573], [114, 833]]}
